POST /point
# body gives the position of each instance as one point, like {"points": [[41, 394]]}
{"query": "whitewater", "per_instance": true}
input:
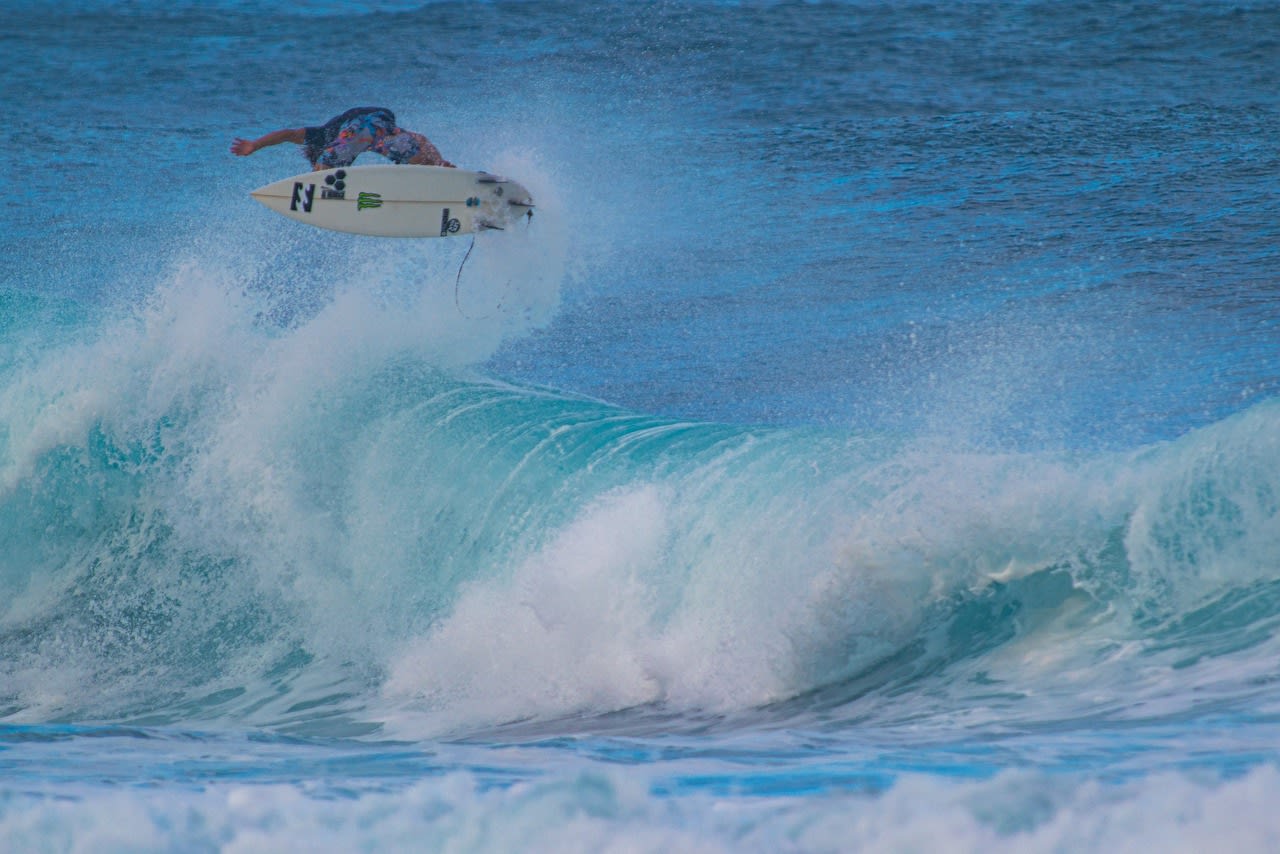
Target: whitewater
{"points": [[871, 443]]}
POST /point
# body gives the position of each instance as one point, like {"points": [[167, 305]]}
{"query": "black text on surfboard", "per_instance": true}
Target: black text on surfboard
{"points": [[448, 226], [305, 196], [336, 185]]}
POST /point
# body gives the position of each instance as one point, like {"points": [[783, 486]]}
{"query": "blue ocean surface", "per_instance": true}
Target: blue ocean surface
{"points": [[871, 443]]}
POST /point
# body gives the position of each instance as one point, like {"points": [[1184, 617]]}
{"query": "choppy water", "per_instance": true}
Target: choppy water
{"points": [[872, 443]]}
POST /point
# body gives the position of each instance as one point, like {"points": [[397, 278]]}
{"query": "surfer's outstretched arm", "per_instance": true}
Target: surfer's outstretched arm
{"points": [[245, 147]]}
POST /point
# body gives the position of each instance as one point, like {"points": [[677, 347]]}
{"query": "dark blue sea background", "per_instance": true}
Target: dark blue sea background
{"points": [[871, 443]]}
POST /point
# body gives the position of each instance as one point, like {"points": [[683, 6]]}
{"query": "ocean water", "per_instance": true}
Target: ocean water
{"points": [[872, 443]]}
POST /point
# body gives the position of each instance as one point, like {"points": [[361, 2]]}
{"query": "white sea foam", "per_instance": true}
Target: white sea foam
{"points": [[600, 809]]}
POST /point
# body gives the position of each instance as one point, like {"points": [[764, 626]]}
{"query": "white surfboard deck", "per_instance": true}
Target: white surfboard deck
{"points": [[399, 201]]}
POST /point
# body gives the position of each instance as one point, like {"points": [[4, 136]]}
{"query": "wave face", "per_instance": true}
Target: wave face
{"points": [[206, 518], [874, 437]]}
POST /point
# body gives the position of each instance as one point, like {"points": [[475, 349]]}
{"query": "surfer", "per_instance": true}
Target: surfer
{"points": [[343, 138]]}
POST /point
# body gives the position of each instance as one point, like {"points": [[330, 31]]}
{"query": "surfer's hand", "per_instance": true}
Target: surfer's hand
{"points": [[243, 147]]}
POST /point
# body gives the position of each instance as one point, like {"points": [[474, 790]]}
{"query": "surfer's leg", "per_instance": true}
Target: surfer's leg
{"points": [[405, 146], [428, 154]]}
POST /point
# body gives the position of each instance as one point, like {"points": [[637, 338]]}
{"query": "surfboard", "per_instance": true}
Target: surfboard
{"points": [[399, 201]]}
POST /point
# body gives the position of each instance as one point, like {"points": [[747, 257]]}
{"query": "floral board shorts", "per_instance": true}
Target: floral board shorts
{"points": [[343, 138]]}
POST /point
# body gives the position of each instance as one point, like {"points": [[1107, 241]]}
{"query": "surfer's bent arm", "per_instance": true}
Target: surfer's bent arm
{"points": [[245, 147]]}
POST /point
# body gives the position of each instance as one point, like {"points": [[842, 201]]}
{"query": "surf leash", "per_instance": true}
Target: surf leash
{"points": [[457, 281]]}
